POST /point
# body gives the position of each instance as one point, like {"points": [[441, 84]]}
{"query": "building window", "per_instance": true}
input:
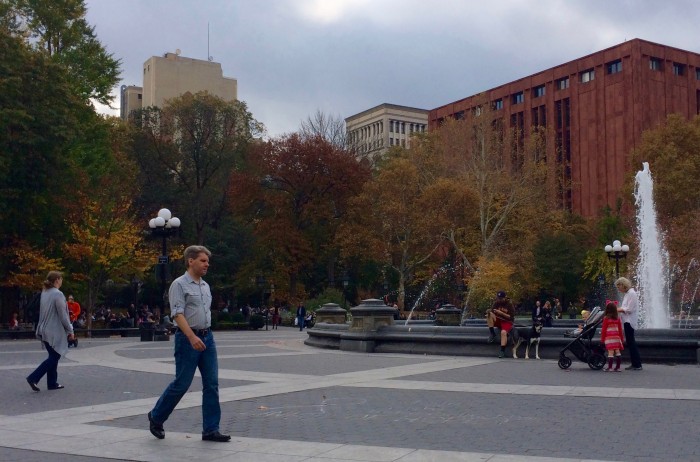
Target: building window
{"points": [[563, 83], [678, 69], [477, 111], [538, 91], [614, 67], [403, 127], [587, 76], [654, 64], [140, 96], [697, 74], [459, 115], [518, 98], [498, 104]]}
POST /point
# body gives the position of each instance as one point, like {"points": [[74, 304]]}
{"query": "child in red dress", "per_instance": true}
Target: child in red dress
{"points": [[612, 336]]}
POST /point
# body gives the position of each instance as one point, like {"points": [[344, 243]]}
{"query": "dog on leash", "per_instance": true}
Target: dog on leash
{"points": [[528, 335]]}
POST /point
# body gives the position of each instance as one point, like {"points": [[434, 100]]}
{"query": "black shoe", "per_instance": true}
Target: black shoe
{"points": [[58, 386], [216, 436], [501, 354], [157, 429], [33, 385], [633, 368]]}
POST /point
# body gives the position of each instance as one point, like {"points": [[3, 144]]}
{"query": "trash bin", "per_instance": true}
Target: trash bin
{"points": [[147, 332]]}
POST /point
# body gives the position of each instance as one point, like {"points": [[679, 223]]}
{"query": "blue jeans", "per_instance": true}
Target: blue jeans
{"points": [[187, 360], [300, 321], [49, 368]]}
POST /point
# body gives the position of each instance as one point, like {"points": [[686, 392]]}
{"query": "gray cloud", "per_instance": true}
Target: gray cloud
{"points": [[292, 57]]}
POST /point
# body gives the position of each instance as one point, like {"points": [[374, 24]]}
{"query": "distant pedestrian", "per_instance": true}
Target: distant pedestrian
{"points": [[537, 313], [54, 330], [275, 317], [13, 325], [628, 312], [547, 314], [301, 316], [611, 335]]}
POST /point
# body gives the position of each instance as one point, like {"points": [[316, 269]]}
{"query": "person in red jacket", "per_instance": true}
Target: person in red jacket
{"points": [[73, 309]]}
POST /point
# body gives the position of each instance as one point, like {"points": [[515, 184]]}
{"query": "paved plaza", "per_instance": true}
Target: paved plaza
{"points": [[283, 401]]}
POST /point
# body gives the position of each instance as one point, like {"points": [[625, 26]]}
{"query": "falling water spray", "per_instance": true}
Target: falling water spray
{"points": [[652, 261]]}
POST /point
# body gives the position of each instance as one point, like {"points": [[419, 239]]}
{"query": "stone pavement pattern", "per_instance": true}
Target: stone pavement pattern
{"points": [[284, 401]]}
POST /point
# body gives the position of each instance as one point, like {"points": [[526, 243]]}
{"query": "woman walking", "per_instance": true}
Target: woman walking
{"points": [[54, 330]]}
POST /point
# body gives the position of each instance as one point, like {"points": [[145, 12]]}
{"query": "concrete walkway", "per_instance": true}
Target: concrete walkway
{"points": [[284, 401]]}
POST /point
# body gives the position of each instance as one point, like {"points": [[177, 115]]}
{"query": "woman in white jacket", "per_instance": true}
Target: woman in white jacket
{"points": [[54, 330]]}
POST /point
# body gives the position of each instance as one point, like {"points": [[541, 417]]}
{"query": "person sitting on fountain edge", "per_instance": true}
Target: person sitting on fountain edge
{"points": [[501, 315]]}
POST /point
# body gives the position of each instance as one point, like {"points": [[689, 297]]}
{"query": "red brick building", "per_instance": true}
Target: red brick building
{"points": [[594, 109]]}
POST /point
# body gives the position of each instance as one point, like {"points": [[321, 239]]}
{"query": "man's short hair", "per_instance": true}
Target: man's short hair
{"points": [[193, 252]]}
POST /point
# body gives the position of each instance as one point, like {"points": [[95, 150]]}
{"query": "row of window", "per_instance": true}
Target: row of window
{"points": [[613, 67], [396, 126]]}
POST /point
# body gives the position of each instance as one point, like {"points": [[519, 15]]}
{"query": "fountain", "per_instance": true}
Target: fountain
{"points": [[373, 329], [652, 261]]}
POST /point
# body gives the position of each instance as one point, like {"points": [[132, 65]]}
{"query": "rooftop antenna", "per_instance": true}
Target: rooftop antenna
{"points": [[209, 57]]}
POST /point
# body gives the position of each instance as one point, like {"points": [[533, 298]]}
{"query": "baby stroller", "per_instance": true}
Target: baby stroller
{"points": [[582, 345]]}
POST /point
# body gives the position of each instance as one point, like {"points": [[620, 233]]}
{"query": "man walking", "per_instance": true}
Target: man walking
{"points": [[190, 308]]}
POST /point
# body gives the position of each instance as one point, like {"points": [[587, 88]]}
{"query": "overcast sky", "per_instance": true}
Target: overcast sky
{"points": [[294, 57]]}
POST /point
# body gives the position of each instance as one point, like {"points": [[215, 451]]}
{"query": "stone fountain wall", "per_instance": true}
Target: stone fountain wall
{"points": [[373, 330]]}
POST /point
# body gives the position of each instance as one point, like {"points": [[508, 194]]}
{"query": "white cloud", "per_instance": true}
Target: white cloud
{"points": [[330, 11]]}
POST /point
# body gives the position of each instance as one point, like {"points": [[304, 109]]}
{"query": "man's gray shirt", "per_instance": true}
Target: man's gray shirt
{"points": [[192, 300]]}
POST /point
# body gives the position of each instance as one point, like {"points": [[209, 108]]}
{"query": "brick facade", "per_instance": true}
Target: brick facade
{"points": [[595, 110]]}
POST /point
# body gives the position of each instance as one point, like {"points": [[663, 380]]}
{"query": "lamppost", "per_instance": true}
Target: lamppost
{"points": [[261, 283], [617, 251], [272, 296], [460, 292], [164, 225]]}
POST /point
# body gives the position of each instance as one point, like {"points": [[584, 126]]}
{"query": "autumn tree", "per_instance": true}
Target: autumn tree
{"points": [[398, 220], [187, 151], [293, 191], [43, 130], [107, 239]]}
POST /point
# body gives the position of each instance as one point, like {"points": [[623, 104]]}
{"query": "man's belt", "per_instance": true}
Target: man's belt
{"points": [[198, 332]]}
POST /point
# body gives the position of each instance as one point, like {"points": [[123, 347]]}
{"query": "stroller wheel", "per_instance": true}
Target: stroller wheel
{"points": [[596, 361], [564, 362]]}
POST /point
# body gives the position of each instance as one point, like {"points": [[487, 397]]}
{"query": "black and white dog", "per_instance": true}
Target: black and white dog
{"points": [[528, 335]]}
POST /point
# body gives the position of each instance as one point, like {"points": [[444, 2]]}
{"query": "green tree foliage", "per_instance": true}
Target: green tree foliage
{"points": [[39, 118], [187, 152], [559, 263], [59, 29]]}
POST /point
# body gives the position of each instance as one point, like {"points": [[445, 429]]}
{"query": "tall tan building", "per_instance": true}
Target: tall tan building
{"points": [[171, 75], [375, 130]]}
